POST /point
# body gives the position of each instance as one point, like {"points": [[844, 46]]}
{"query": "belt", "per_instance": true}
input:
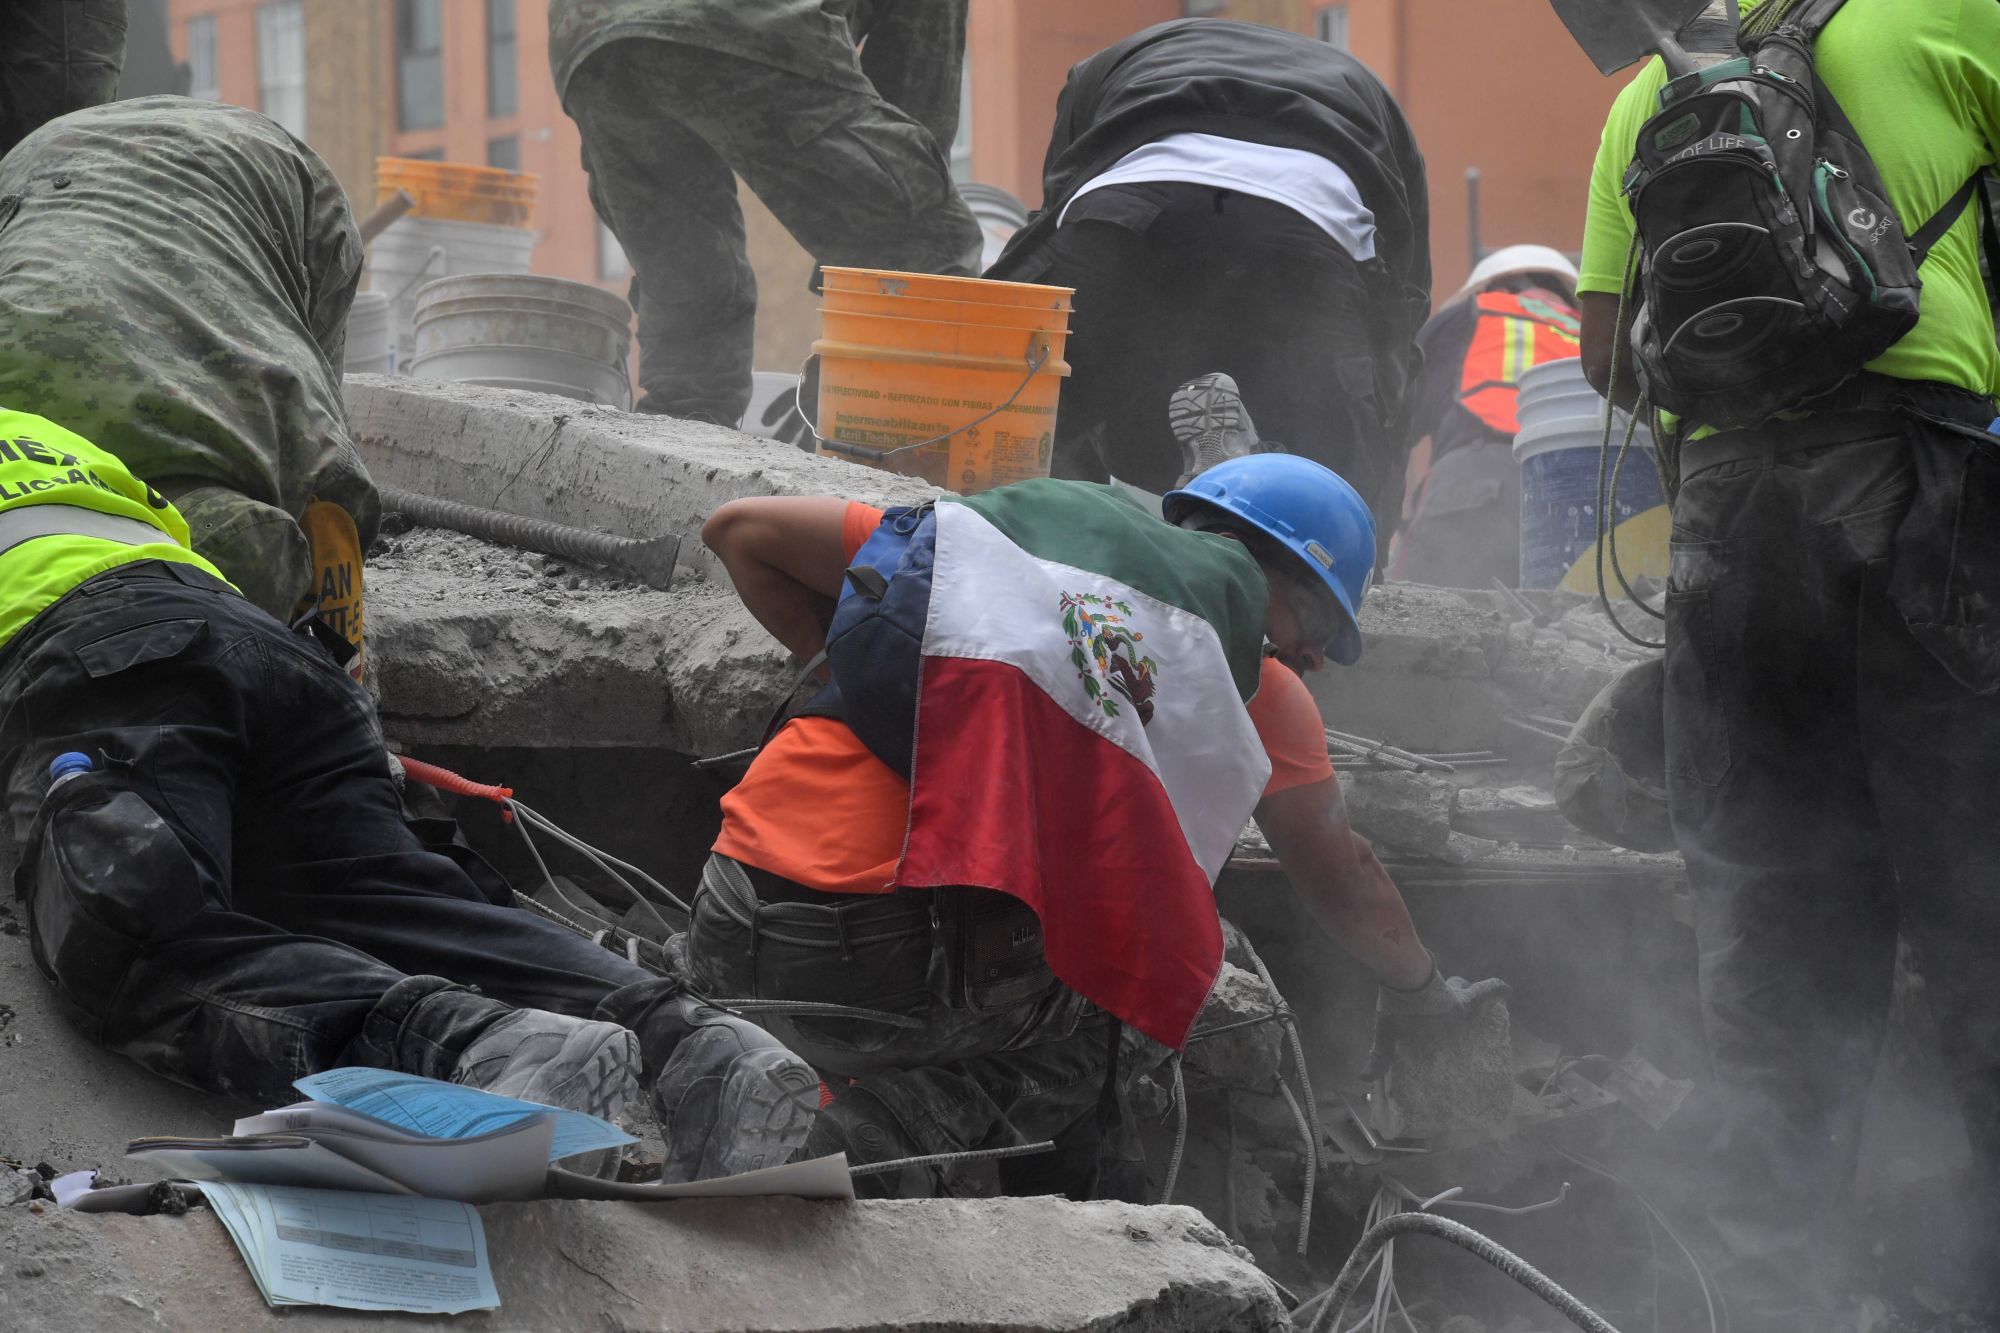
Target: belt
{"points": [[29, 522], [1868, 407]]}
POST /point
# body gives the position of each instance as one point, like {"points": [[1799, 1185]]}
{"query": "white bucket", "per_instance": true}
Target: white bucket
{"points": [[371, 342], [774, 413], [514, 331], [1558, 449], [999, 215], [414, 251]]}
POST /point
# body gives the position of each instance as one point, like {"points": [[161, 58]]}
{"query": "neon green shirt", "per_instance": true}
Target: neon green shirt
{"points": [[1921, 82], [43, 464]]}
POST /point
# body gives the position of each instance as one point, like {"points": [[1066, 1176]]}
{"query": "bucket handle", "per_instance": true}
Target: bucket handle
{"points": [[1038, 357], [437, 253]]}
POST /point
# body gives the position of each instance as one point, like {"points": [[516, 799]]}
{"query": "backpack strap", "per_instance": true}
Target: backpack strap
{"points": [[1943, 220], [1803, 17]]}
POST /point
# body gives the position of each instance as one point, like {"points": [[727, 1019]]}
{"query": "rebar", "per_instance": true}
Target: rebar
{"points": [[649, 559], [1384, 750], [1429, 1224]]}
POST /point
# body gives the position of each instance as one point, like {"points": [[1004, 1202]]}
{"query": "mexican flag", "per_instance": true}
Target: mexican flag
{"points": [[1081, 738]]}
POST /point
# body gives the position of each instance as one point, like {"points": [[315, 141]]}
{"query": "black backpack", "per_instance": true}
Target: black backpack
{"points": [[1772, 265]]}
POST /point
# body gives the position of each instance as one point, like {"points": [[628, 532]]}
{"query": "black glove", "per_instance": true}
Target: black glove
{"points": [[1412, 1013]]}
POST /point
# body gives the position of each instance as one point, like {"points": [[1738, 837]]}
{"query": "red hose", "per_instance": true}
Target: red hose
{"points": [[446, 780]]}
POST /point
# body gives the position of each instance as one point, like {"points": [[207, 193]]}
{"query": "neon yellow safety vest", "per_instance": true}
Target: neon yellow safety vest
{"points": [[69, 511]]}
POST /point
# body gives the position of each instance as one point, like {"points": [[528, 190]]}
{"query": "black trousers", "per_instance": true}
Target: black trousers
{"points": [[1175, 280], [232, 896], [1831, 783]]}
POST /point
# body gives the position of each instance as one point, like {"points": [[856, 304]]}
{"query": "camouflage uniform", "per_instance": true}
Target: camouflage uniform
{"points": [[57, 56], [673, 96], [174, 284]]}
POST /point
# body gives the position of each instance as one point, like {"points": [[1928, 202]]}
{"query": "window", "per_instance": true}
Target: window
{"points": [[611, 261], [419, 64], [281, 63], [1330, 25], [204, 80], [503, 65], [504, 153], [961, 144]]}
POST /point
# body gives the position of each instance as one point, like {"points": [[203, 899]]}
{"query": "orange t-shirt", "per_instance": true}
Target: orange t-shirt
{"points": [[818, 808]]}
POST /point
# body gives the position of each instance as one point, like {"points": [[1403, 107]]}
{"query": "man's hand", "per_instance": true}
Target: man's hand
{"points": [[1422, 1013]]}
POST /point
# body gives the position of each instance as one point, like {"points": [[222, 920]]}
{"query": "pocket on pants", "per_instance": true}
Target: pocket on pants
{"points": [[1697, 711]]}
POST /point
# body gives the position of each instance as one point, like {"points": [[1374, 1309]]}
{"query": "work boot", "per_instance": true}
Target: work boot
{"points": [[860, 1124], [1210, 423], [573, 1063], [730, 1096]]}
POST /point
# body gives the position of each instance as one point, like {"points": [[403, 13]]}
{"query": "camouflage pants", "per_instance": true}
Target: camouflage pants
{"points": [[57, 56], [666, 129], [955, 1063]]}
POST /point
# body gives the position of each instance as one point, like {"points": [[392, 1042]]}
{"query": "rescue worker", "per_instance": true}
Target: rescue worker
{"points": [[1831, 725], [677, 98], [233, 894], [175, 277], [1462, 488], [57, 56], [999, 882], [1227, 197]]}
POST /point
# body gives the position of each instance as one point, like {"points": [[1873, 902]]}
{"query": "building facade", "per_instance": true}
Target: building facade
{"points": [[1495, 87]]}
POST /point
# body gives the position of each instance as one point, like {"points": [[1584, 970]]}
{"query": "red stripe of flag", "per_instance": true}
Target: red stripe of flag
{"points": [[1014, 794]]}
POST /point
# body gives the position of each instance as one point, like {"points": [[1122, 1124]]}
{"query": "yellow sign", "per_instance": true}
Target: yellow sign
{"points": [[336, 559]]}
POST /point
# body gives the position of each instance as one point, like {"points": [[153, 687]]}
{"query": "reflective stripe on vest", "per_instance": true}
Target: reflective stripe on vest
{"points": [[26, 523], [1515, 332]]}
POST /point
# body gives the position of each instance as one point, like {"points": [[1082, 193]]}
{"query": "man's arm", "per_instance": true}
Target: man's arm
{"points": [[786, 557], [1337, 875], [1601, 336]]}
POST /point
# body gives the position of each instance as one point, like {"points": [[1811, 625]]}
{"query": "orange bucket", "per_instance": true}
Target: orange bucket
{"points": [[964, 396], [934, 287], [452, 192]]}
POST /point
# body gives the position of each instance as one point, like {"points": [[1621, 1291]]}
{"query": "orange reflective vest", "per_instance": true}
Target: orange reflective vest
{"points": [[1516, 330]]}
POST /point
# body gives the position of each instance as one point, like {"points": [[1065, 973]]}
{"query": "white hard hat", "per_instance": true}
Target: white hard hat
{"points": [[1511, 259]]}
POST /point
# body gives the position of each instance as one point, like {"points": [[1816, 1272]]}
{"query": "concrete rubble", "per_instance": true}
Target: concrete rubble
{"points": [[477, 649]]}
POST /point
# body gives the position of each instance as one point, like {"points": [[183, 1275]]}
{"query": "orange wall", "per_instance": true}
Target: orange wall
{"points": [[1019, 52], [1500, 86]]}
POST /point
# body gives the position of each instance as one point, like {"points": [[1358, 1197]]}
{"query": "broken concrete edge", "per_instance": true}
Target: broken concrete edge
{"points": [[584, 465], [1005, 1265]]}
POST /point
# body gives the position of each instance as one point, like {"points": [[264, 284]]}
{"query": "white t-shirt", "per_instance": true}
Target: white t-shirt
{"points": [[1308, 184]]}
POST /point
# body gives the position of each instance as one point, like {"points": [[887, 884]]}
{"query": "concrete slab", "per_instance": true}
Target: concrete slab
{"points": [[554, 458], [696, 1267], [475, 644]]}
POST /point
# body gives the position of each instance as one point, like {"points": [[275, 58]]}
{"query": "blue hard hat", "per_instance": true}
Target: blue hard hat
{"points": [[1307, 508]]}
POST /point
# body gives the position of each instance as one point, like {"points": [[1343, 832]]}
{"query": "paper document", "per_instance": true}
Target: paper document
{"points": [[508, 1163], [267, 1160], [448, 1111], [358, 1251]]}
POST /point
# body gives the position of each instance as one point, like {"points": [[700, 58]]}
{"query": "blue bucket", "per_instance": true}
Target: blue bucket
{"points": [[1559, 463]]}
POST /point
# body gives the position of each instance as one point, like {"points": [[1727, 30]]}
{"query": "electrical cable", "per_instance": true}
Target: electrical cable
{"points": [[1604, 530], [605, 861], [1701, 1278]]}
